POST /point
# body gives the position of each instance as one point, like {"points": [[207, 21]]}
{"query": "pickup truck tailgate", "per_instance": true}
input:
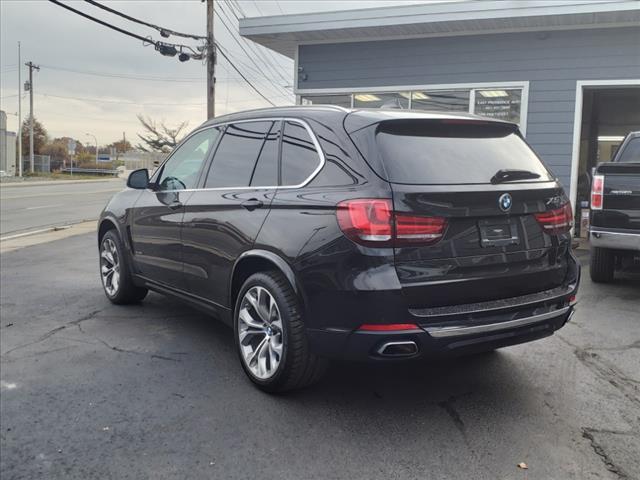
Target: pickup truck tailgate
{"points": [[621, 199]]}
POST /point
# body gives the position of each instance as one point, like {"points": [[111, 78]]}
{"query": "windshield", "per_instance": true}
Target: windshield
{"points": [[454, 152]]}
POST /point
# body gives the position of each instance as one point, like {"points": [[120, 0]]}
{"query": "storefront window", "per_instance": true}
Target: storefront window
{"points": [[503, 104], [339, 100], [381, 100], [441, 100], [500, 103]]}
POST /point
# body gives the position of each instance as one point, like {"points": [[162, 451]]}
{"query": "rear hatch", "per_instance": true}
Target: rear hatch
{"points": [[487, 185]]}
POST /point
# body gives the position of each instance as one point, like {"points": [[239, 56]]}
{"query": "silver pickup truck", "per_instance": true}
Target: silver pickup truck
{"points": [[614, 233]]}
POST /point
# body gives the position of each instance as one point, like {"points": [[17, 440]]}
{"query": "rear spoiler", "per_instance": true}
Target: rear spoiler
{"points": [[360, 119]]}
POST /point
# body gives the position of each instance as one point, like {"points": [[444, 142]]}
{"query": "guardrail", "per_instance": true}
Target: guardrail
{"points": [[96, 171]]}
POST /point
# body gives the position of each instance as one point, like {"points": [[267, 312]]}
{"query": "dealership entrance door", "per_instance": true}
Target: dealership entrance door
{"points": [[608, 114]]}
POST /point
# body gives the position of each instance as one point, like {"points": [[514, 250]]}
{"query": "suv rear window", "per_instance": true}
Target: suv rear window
{"points": [[631, 152], [451, 151]]}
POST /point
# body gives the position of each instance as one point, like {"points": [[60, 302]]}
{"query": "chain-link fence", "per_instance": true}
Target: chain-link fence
{"points": [[41, 164]]}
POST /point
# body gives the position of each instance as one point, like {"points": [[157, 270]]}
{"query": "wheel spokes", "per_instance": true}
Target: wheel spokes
{"points": [[260, 332], [109, 267]]}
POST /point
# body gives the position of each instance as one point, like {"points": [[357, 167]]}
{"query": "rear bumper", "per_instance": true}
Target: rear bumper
{"points": [[614, 238], [461, 339], [455, 330]]}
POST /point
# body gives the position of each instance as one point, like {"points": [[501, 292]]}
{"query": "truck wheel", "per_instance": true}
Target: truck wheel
{"points": [[270, 335], [602, 264]]}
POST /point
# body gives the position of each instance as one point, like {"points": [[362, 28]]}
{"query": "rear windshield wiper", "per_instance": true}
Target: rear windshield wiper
{"points": [[506, 175]]}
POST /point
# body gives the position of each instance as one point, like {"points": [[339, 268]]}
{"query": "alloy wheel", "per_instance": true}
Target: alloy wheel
{"points": [[260, 332], [110, 267]]}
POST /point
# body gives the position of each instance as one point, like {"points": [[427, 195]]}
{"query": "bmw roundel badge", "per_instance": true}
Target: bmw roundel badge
{"points": [[505, 201]]}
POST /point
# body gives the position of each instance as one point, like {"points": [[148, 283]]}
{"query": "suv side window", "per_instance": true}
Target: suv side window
{"points": [[299, 155], [181, 171], [237, 154]]}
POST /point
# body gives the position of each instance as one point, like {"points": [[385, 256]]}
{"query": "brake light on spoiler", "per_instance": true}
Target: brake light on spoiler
{"points": [[557, 221], [372, 222]]}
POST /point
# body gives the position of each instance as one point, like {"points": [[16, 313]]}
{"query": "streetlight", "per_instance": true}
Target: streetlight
{"points": [[95, 140]]}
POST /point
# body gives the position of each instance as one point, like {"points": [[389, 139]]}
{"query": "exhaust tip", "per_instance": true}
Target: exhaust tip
{"points": [[398, 349]]}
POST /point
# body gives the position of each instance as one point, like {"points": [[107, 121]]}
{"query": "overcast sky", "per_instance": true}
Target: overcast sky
{"points": [[71, 102]]}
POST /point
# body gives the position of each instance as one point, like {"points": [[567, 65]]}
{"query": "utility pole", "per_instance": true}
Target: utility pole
{"points": [[19, 113], [32, 67], [211, 63]]}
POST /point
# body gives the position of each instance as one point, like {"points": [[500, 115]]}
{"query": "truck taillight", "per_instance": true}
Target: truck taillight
{"points": [[372, 222], [557, 221], [597, 191]]}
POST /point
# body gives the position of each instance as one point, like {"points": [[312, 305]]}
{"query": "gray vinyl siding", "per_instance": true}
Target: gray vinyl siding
{"points": [[551, 61]]}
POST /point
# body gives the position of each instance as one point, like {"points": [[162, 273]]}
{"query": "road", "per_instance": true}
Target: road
{"points": [[31, 207], [95, 391]]}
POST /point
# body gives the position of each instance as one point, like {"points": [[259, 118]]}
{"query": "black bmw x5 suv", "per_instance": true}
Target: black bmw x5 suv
{"points": [[322, 232]]}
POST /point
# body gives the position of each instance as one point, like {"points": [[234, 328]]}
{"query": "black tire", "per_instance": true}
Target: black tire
{"points": [[602, 265], [298, 366], [126, 291]]}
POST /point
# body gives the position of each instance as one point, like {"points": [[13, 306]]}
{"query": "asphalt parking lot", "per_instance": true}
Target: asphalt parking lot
{"points": [[92, 390]]}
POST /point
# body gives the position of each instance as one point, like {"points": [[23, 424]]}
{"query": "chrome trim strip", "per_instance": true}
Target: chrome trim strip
{"points": [[479, 308], [460, 330], [307, 127]]}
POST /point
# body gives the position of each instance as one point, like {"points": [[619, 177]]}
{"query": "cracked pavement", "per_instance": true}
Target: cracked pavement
{"points": [[92, 390]]}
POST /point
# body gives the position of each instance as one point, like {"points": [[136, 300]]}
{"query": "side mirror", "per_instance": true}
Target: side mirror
{"points": [[138, 179]]}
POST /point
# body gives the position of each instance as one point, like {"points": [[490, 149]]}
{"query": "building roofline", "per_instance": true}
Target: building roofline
{"points": [[283, 33]]}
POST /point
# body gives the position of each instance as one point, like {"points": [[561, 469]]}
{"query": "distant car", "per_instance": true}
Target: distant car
{"points": [[322, 232], [614, 233]]}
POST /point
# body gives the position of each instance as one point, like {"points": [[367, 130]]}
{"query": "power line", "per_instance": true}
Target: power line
{"points": [[165, 32], [99, 100], [120, 102], [252, 46], [164, 48], [224, 55], [245, 51], [123, 75], [260, 51], [167, 49], [106, 24], [237, 5]]}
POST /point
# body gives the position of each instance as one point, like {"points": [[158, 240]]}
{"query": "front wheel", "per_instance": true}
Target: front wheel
{"points": [[115, 272], [602, 265], [270, 335]]}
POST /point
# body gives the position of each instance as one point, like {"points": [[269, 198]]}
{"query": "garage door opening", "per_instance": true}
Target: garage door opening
{"points": [[608, 114]]}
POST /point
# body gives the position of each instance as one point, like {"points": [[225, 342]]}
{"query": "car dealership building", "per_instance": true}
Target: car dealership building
{"points": [[567, 71]]}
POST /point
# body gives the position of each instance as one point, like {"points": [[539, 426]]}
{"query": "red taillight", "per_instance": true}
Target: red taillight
{"points": [[389, 327], [555, 222], [597, 190], [372, 222], [424, 230], [367, 221]]}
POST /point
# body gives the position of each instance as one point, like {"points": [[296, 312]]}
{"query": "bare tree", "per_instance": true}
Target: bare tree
{"points": [[159, 137]]}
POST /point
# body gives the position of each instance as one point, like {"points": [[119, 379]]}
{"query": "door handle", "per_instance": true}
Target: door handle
{"points": [[252, 204], [175, 205]]}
